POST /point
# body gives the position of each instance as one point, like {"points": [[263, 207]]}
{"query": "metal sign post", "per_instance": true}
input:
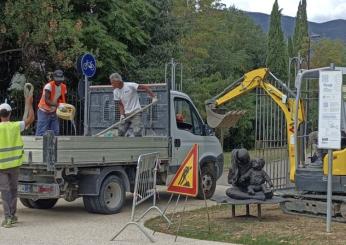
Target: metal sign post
{"points": [[329, 125], [88, 68]]}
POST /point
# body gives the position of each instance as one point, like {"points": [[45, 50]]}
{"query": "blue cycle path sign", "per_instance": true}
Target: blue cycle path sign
{"points": [[88, 65]]}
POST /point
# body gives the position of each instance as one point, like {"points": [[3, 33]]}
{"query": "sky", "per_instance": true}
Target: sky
{"points": [[317, 10]]}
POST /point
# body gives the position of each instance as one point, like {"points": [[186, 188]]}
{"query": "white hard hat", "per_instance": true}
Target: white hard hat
{"points": [[6, 107]]}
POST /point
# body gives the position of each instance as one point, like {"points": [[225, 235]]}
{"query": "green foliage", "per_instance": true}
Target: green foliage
{"points": [[124, 34], [328, 51], [301, 32], [44, 32], [224, 41], [276, 50], [136, 38], [218, 46], [164, 31]]}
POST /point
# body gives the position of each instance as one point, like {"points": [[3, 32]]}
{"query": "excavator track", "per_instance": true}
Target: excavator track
{"points": [[314, 205]]}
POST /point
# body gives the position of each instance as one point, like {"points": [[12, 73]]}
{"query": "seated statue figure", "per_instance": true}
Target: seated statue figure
{"points": [[247, 177], [241, 164], [257, 178]]}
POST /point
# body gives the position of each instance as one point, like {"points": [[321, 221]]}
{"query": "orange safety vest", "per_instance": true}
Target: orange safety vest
{"points": [[43, 105]]}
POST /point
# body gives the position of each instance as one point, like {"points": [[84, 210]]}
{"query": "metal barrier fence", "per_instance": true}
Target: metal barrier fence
{"points": [[17, 103], [145, 188]]}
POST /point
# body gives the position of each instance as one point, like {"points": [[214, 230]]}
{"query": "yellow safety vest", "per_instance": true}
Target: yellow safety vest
{"points": [[11, 145]]}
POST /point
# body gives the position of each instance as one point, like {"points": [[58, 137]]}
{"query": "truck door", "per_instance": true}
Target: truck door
{"points": [[187, 130]]}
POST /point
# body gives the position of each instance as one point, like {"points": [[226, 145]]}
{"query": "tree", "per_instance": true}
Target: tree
{"points": [[276, 50], [328, 51], [54, 33], [218, 46], [164, 31], [48, 38], [301, 32]]}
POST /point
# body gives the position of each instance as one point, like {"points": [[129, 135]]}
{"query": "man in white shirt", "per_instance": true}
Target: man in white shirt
{"points": [[126, 94]]}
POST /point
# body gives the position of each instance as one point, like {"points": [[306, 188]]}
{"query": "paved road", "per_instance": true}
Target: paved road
{"points": [[69, 223]]}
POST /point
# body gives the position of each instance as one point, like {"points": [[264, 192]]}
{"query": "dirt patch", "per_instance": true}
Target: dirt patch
{"points": [[275, 227]]}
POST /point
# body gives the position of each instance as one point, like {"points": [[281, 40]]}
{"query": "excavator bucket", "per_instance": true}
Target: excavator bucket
{"points": [[219, 119]]}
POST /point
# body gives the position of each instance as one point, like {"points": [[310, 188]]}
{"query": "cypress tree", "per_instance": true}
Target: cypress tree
{"points": [[301, 32], [297, 27], [277, 51], [304, 49], [304, 20]]}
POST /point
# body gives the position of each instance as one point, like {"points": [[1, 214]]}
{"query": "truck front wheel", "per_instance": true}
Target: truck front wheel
{"points": [[207, 182], [110, 199], [39, 204]]}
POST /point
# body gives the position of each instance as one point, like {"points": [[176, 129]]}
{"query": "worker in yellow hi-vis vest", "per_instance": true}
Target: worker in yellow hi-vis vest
{"points": [[11, 157]]}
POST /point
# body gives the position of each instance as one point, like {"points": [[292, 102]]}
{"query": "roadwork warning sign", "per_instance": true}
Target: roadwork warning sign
{"points": [[185, 181]]}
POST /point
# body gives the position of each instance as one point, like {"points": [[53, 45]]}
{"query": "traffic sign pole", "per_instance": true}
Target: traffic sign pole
{"points": [[86, 103], [88, 67]]}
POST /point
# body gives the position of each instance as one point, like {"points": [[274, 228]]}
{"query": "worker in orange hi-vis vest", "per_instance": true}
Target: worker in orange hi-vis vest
{"points": [[53, 94]]}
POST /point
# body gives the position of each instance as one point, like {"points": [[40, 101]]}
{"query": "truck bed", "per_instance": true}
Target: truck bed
{"points": [[89, 150]]}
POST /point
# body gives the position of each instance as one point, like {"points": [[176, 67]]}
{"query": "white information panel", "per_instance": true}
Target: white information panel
{"points": [[330, 99]]}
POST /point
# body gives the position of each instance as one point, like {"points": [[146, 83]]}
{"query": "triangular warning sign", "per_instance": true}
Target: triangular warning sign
{"points": [[185, 180]]}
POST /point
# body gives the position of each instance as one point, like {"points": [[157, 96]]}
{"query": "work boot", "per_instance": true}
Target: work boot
{"points": [[14, 219], [7, 223]]}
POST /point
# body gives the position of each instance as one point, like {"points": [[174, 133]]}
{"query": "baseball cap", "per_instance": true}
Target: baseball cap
{"points": [[58, 76], [6, 107]]}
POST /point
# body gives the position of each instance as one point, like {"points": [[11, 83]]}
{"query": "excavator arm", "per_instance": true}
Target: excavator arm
{"points": [[258, 79]]}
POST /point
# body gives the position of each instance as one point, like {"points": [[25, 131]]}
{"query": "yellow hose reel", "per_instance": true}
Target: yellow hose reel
{"points": [[66, 111]]}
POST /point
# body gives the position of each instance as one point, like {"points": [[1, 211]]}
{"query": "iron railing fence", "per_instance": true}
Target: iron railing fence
{"points": [[271, 138]]}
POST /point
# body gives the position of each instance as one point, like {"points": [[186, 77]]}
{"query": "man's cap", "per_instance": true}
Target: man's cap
{"points": [[5, 106], [58, 76]]}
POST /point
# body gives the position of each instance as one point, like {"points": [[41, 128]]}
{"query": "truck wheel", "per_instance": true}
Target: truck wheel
{"points": [[207, 183], [39, 204], [111, 198]]}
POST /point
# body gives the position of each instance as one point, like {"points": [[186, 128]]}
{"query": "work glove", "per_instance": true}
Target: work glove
{"points": [[122, 117], [154, 100]]}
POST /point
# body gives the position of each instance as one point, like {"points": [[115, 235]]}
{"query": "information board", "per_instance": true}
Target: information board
{"points": [[330, 99]]}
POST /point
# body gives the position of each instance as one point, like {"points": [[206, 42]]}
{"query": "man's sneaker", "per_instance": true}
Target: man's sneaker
{"points": [[14, 219], [7, 223]]}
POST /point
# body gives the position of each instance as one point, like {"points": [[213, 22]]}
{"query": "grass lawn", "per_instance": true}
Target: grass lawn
{"points": [[274, 228]]}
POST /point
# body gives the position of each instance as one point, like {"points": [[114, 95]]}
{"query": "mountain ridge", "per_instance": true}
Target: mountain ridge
{"points": [[333, 29]]}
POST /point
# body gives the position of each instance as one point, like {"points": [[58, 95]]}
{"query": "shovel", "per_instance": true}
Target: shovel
{"points": [[125, 119]]}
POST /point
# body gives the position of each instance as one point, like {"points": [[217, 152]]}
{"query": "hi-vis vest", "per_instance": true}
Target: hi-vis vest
{"points": [[11, 145], [62, 99]]}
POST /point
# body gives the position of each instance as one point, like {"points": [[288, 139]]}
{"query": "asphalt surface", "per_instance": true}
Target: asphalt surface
{"points": [[69, 223]]}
